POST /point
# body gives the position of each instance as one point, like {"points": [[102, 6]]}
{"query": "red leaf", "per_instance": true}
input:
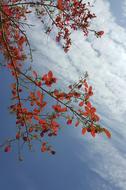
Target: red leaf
{"points": [[93, 110], [44, 104], [30, 129], [100, 33], [42, 122], [77, 123], [81, 104], [50, 74], [85, 84], [36, 117], [64, 109], [43, 147], [87, 110], [69, 121], [84, 130], [88, 104], [60, 5], [39, 94], [18, 135], [93, 132], [90, 89], [7, 148]]}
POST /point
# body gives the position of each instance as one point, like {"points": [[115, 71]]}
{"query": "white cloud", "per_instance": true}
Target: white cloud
{"points": [[105, 61], [107, 161], [124, 8]]}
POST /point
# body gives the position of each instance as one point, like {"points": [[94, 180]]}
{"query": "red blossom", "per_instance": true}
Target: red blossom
{"points": [[33, 121]]}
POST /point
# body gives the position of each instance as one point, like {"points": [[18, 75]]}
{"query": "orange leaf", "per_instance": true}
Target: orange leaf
{"points": [[40, 95], [93, 132], [93, 110], [44, 104], [87, 109], [43, 147], [60, 5], [84, 130], [42, 122], [30, 129], [36, 117], [18, 135], [63, 109]]}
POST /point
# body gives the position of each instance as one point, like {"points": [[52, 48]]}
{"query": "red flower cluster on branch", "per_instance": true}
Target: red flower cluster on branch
{"points": [[74, 15], [37, 119]]}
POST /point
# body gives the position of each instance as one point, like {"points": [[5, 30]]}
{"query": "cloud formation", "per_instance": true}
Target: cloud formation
{"points": [[124, 8]]}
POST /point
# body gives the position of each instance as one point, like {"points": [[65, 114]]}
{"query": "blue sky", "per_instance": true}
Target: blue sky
{"points": [[80, 162]]}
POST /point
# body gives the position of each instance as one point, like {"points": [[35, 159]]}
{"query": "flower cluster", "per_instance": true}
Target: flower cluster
{"points": [[74, 15], [36, 118]]}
